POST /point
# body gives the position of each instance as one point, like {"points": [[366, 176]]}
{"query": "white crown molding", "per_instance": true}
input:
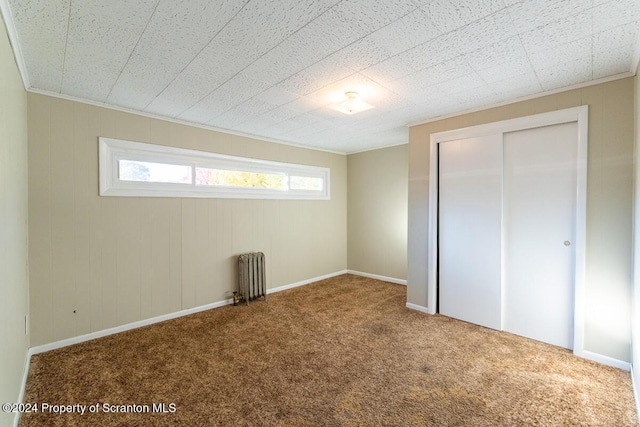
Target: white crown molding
{"points": [[377, 148], [526, 98], [178, 121]]}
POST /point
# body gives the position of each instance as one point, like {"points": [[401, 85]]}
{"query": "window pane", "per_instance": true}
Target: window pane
{"points": [[305, 183], [229, 178], [131, 170]]}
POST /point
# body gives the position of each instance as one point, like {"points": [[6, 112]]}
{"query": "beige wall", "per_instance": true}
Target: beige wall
{"points": [[377, 212], [609, 204], [14, 285], [116, 260]]}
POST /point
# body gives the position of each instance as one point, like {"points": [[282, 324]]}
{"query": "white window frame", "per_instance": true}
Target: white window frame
{"points": [[111, 151]]}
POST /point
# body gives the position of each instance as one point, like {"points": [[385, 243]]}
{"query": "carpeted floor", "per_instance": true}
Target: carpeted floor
{"points": [[341, 352]]}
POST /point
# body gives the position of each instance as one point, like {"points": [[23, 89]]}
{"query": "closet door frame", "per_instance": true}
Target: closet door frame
{"points": [[569, 115]]}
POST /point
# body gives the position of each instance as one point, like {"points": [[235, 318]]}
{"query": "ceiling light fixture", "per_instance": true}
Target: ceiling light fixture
{"points": [[352, 104]]}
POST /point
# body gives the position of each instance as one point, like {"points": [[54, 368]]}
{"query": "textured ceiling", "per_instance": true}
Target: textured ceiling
{"points": [[271, 68]]}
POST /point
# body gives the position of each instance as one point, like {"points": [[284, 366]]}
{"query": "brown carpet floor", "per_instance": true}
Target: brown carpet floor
{"points": [[340, 352]]}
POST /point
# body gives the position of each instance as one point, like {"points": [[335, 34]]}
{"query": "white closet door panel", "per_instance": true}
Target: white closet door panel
{"points": [[470, 215], [539, 225]]}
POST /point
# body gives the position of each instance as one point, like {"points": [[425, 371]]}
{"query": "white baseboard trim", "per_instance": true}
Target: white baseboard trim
{"points": [[635, 392], [162, 318], [417, 308], [23, 387], [605, 360], [378, 277], [305, 282], [126, 327]]}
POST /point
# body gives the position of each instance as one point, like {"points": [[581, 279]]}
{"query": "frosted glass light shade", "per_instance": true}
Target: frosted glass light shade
{"points": [[352, 104]]}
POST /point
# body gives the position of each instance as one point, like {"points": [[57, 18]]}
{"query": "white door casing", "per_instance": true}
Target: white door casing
{"points": [[578, 115]]}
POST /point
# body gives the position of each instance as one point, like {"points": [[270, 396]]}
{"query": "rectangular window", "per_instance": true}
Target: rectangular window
{"points": [[146, 170]]}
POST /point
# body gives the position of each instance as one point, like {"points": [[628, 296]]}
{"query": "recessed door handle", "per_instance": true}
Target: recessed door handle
{"points": [[567, 243]]}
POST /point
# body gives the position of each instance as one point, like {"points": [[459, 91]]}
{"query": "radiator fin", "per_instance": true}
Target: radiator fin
{"points": [[251, 276]]}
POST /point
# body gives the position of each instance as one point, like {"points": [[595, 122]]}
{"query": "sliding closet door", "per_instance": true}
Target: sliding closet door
{"points": [[469, 235], [539, 232]]}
